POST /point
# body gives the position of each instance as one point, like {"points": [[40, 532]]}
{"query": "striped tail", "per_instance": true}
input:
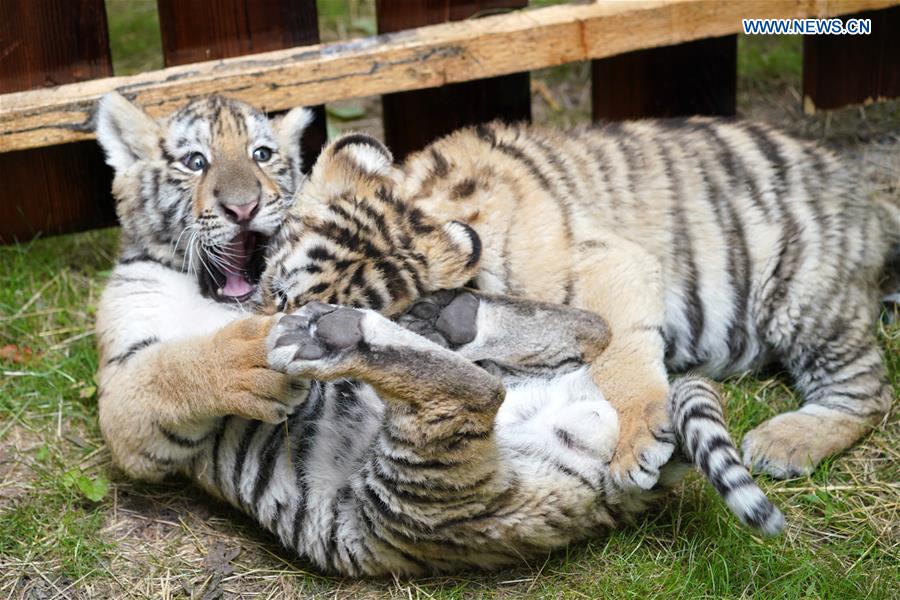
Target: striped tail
{"points": [[700, 426]]}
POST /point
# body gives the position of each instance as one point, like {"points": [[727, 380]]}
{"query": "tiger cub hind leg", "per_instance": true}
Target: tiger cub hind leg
{"points": [[631, 371], [509, 336], [327, 342], [845, 393]]}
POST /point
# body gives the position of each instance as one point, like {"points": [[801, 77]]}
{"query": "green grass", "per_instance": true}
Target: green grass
{"points": [[48, 292], [767, 61], [134, 37]]}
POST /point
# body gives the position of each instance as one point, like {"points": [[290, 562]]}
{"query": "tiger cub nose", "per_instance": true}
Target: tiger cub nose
{"points": [[241, 213]]}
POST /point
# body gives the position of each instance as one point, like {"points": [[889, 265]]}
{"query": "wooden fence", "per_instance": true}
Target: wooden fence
{"points": [[437, 68]]}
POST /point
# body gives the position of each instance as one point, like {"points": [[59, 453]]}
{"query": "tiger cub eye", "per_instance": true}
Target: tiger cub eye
{"points": [[194, 161], [262, 154]]}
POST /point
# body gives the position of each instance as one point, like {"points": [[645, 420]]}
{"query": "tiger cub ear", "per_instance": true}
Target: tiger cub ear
{"points": [[364, 153], [126, 133], [289, 130], [452, 254]]}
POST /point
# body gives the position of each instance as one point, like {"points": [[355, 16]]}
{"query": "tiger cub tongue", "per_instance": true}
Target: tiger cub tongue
{"points": [[236, 285], [236, 258]]}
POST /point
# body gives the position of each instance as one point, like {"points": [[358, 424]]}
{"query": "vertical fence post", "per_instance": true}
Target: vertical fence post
{"points": [[851, 69], [198, 30], [413, 119], [693, 78], [63, 188]]}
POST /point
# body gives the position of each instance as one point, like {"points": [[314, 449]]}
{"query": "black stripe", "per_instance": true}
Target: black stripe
{"points": [[396, 285], [389, 544], [360, 139], [159, 460], [684, 254], [217, 443], [739, 266], [319, 253], [475, 240], [309, 417], [378, 220], [416, 222], [441, 167], [181, 441], [711, 444], [519, 155], [792, 243], [266, 465], [132, 350], [345, 238], [241, 456], [405, 463], [142, 257]]}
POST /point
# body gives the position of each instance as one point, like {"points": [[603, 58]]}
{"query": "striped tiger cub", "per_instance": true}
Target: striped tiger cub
{"points": [[712, 246], [468, 434]]}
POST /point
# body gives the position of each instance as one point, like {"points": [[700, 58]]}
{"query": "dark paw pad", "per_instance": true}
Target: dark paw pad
{"points": [[457, 320], [314, 331], [447, 318], [341, 328]]}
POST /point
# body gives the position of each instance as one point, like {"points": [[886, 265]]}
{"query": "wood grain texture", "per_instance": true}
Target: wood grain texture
{"points": [[53, 190], [694, 78], [853, 69], [199, 30], [415, 59], [413, 119]]}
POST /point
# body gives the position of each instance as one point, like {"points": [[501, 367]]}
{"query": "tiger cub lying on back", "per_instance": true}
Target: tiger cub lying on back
{"points": [[364, 446], [708, 245]]}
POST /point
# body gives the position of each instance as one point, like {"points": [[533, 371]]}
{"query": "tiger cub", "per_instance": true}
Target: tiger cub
{"points": [[712, 246], [363, 445]]}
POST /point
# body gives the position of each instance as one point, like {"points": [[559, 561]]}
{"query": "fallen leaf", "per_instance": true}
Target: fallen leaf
{"points": [[219, 558], [15, 354], [77, 440], [93, 489]]}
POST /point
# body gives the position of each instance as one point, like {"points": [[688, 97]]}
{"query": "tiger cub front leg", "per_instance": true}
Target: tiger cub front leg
{"points": [[158, 406], [430, 392], [623, 283]]}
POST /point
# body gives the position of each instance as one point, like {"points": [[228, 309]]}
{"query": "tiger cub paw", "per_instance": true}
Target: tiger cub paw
{"points": [[447, 318], [794, 443], [242, 384], [646, 443], [314, 338]]}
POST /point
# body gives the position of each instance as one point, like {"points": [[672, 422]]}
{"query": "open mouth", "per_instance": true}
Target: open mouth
{"points": [[234, 271]]}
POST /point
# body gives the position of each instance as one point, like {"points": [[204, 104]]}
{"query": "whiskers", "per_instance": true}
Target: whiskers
{"points": [[192, 227]]}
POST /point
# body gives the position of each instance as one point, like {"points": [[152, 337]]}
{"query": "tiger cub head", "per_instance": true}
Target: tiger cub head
{"points": [[204, 188], [350, 239]]}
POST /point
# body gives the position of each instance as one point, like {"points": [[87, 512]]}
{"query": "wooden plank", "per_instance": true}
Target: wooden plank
{"points": [[199, 30], [413, 119], [53, 190], [694, 78], [415, 59], [853, 69]]}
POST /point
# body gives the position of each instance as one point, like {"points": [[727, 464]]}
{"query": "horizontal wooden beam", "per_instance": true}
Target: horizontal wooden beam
{"points": [[406, 60]]}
